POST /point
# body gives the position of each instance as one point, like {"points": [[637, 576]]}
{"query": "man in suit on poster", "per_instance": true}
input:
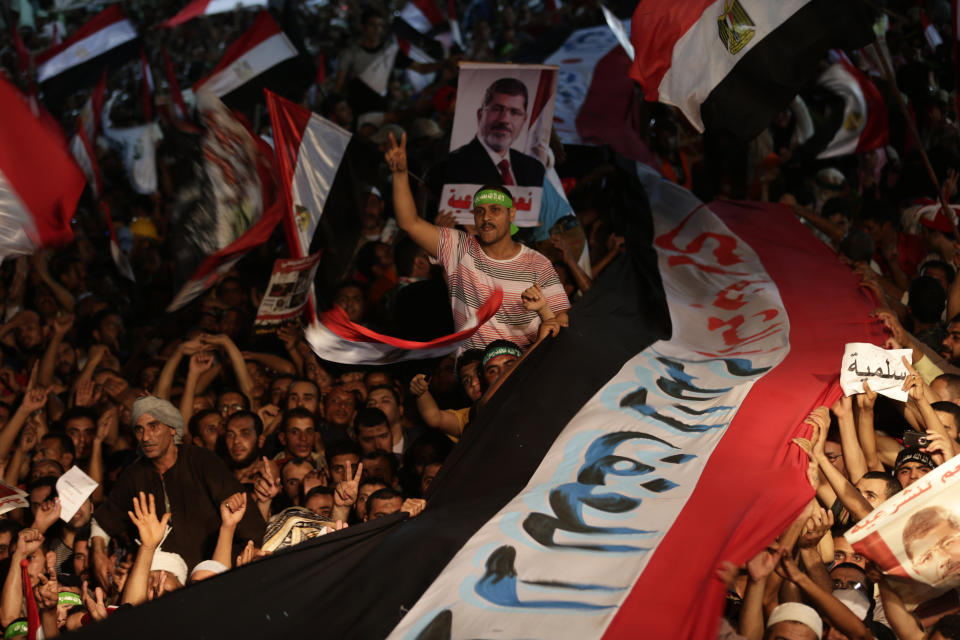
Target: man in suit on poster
{"points": [[488, 158]]}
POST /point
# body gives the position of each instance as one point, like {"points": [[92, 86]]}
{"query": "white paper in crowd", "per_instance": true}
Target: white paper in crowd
{"points": [[915, 533], [12, 498], [882, 369], [287, 291], [74, 487]]}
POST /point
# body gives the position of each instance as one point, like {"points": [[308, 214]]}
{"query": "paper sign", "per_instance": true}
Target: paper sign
{"points": [[288, 290], [915, 533], [882, 369], [74, 487], [12, 498]]}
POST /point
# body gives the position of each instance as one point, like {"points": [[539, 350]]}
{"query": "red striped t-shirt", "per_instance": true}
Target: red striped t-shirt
{"points": [[472, 276]]}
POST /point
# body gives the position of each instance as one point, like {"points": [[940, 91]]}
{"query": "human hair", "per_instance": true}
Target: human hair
{"points": [[367, 259], [952, 380], [65, 442], [467, 357], [194, 425], [857, 246], [11, 527], [257, 422], [296, 412], [948, 407], [315, 491], [297, 462], [391, 459], [880, 211], [295, 380], [340, 448], [837, 205], [370, 417], [45, 481], [244, 400], [893, 485], [78, 412], [927, 299], [382, 494], [346, 284], [948, 626], [404, 255], [385, 387], [368, 15], [921, 522], [372, 480], [507, 87], [947, 269]]}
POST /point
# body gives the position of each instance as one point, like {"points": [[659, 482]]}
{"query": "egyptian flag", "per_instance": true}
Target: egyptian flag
{"points": [[422, 15], [180, 109], [930, 32], [733, 65], [335, 338], [82, 144], [309, 149], [209, 8], [633, 454], [39, 181], [866, 124], [106, 40], [263, 57], [454, 23]]}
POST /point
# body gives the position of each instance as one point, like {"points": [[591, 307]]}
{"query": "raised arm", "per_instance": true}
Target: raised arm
{"points": [[433, 416], [239, 366], [423, 233], [835, 611], [48, 363], [853, 456], [152, 531], [855, 503], [345, 494], [200, 362], [865, 430], [231, 513]]}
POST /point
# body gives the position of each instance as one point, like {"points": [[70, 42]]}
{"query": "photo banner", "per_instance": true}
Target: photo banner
{"points": [[916, 533], [287, 292], [501, 135]]}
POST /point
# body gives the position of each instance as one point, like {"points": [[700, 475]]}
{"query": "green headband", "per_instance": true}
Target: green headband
{"points": [[70, 598], [16, 629], [492, 196], [502, 350]]}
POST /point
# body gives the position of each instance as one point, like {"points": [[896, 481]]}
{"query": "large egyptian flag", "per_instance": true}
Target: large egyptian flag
{"points": [[732, 65], [209, 8], [866, 124], [108, 39], [263, 57], [40, 182], [600, 487]]}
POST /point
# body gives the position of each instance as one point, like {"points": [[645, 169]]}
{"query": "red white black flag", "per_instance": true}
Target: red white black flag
{"points": [[209, 8], [657, 427], [262, 48], [866, 124], [309, 149], [734, 64], [107, 39], [40, 182]]}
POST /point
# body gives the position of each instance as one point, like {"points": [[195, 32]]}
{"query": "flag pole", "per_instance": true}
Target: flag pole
{"points": [[888, 72]]}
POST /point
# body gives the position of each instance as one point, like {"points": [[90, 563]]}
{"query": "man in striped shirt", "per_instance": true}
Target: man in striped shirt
{"points": [[476, 266]]}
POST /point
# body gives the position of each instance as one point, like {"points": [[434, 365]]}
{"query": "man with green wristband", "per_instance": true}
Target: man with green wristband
{"points": [[475, 266]]}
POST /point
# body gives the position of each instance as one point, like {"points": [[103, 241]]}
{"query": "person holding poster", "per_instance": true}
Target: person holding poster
{"points": [[476, 266], [489, 158]]}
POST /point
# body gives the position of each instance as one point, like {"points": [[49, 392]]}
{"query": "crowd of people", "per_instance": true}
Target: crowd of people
{"points": [[214, 444]]}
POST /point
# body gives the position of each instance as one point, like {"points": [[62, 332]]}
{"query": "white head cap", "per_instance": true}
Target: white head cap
{"points": [[796, 612]]}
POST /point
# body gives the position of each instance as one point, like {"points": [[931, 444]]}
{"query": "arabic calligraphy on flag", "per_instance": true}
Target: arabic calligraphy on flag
{"points": [[882, 369], [916, 533]]}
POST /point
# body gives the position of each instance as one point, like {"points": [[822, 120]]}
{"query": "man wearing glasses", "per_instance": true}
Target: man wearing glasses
{"points": [[931, 539]]}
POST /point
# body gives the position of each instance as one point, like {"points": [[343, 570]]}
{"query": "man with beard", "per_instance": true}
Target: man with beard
{"points": [[950, 348], [475, 266], [187, 481], [243, 437]]}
